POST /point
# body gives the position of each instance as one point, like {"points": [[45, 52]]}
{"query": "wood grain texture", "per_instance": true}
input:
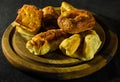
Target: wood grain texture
{"points": [[55, 67]]}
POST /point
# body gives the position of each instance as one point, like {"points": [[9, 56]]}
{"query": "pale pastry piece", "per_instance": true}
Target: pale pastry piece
{"points": [[28, 20], [70, 45], [25, 34], [83, 47], [45, 42], [66, 7], [91, 45]]}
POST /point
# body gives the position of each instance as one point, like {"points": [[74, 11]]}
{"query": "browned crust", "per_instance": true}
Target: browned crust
{"points": [[49, 12], [49, 36], [76, 21], [30, 17]]}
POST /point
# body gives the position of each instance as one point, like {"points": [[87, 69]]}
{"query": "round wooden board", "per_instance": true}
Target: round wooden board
{"points": [[58, 67]]}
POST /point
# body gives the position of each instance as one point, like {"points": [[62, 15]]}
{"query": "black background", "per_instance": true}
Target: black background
{"points": [[109, 9]]}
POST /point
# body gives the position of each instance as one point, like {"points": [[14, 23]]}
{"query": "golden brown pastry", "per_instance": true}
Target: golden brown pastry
{"points": [[50, 12], [28, 20], [76, 21], [45, 42], [50, 15]]}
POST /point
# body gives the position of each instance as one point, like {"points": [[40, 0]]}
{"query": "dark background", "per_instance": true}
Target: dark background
{"points": [[109, 9]]}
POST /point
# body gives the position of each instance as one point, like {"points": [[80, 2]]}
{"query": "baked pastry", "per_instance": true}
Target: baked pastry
{"points": [[45, 42], [50, 15], [82, 46], [70, 45], [91, 45], [28, 20], [50, 12], [76, 21], [66, 7]]}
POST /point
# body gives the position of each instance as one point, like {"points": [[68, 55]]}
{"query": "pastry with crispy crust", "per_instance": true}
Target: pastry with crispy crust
{"points": [[50, 15], [76, 21], [28, 20], [50, 12], [45, 42]]}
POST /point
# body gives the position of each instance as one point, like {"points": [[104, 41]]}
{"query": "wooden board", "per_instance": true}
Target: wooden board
{"points": [[58, 66]]}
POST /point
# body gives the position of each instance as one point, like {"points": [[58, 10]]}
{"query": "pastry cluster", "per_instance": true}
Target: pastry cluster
{"points": [[66, 28]]}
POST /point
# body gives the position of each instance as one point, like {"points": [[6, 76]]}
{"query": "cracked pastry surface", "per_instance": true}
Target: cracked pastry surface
{"points": [[45, 42], [29, 19], [50, 15], [76, 21]]}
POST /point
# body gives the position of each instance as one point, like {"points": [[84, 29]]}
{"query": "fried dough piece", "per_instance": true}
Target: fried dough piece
{"points": [[28, 20], [45, 42], [70, 45], [76, 21]]}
